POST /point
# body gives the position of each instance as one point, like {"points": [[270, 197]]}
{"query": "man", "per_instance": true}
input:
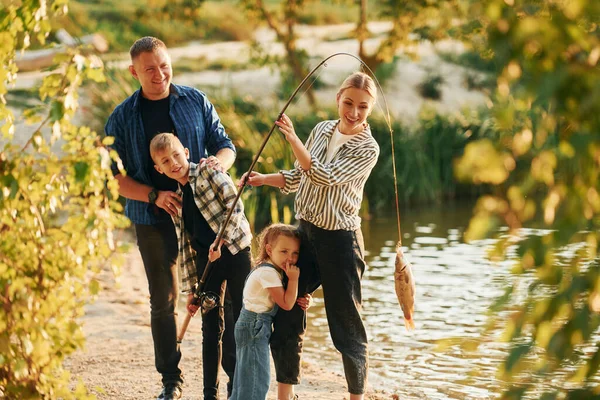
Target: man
{"points": [[161, 106]]}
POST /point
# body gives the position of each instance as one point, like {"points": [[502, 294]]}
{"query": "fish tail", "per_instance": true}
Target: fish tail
{"points": [[409, 324]]}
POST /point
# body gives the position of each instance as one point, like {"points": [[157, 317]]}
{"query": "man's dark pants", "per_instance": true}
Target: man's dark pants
{"points": [[158, 247]]}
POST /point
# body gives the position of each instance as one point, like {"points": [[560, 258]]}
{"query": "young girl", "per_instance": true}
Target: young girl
{"points": [[263, 294], [329, 177]]}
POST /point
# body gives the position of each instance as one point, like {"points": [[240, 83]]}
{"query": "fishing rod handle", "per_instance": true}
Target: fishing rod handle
{"points": [[186, 322]]}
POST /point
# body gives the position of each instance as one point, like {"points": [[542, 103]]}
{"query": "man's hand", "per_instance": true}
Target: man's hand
{"points": [[213, 162], [169, 201], [305, 301]]}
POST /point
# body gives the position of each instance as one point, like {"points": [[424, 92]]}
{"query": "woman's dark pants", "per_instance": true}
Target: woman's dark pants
{"points": [[335, 259]]}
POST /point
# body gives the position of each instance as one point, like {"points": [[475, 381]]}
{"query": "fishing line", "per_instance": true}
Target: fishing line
{"points": [[312, 82], [387, 119], [199, 291]]}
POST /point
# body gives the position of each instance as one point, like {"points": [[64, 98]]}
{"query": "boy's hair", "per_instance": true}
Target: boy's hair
{"points": [[269, 235], [147, 44], [163, 141], [359, 80]]}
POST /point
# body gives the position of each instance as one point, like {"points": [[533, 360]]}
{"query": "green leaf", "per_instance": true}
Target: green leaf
{"points": [[81, 171], [57, 111]]}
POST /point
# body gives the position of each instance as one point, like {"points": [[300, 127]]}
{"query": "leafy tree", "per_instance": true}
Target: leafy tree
{"points": [[412, 20], [284, 26], [58, 214], [546, 167]]}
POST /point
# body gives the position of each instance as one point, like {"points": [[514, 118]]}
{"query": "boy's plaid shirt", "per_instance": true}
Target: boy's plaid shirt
{"points": [[214, 192]]}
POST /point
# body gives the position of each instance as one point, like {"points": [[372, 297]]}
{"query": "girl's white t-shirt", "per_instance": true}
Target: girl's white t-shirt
{"points": [[256, 296], [338, 139]]}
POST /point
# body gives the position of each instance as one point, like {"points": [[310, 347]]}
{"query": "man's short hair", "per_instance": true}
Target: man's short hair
{"points": [[147, 44], [161, 142]]}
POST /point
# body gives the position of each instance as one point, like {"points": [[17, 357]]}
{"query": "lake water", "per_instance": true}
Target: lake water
{"points": [[455, 285]]}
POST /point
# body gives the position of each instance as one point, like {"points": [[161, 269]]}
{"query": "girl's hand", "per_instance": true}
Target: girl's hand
{"points": [[255, 179], [287, 128], [292, 272], [305, 301], [192, 309], [214, 251]]}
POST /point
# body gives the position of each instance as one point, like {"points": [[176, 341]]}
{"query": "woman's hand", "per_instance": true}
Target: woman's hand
{"points": [[305, 301], [254, 179], [287, 128], [191, 308]]}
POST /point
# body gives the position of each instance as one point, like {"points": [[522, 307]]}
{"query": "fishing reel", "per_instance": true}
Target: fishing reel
{"points": [[207, 301]]}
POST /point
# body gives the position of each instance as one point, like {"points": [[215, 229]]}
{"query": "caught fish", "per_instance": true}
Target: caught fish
{"points": [[405, 287]]}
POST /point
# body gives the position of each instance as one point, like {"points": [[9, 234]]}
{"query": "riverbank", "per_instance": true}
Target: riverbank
{"points": [[118, 362]]}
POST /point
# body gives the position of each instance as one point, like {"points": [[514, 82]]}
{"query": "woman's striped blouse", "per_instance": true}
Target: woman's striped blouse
{"points": [[329, 194]]}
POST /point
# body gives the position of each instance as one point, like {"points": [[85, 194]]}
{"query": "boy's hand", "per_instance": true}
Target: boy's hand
{"points": [[214, 251], [292, 272], [192, 309], [169, 201], [305, 301]]}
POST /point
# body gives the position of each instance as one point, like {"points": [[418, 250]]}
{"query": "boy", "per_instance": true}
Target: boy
{"points": [[206, 195]]}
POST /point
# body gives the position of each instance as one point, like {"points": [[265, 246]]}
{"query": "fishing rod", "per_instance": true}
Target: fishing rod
{"points": [[209, 300]]}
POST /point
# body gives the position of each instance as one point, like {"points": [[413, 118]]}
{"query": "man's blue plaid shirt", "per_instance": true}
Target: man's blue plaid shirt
{"points": [[196, 123]]}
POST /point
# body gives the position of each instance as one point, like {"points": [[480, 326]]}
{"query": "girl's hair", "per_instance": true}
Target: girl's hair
{"points": [[359, 80], [269, 235], [161, 142]]}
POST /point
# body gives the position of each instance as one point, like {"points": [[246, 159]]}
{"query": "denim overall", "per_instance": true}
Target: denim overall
{"points": [[252, 334]]}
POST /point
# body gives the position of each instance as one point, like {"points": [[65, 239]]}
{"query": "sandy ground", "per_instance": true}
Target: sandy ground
{"points": [[118, 362]]}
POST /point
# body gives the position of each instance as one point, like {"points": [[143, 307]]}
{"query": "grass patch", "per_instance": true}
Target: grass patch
{"points": [[470, 59], [199, 64], [328, 12], [173, 21], [23, 98]]}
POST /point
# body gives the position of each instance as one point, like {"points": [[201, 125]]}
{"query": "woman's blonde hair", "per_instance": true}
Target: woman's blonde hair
{"points": [[359, 80], [269, 235]]}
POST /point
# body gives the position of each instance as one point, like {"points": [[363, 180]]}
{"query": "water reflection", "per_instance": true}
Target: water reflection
{"points": [[455, 286]]}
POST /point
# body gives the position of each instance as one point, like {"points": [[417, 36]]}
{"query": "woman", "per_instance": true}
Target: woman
{"points": [[329, 178]]}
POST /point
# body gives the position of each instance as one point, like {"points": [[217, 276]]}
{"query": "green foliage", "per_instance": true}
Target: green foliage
{"points": [[471, 59], [58, 214], [174, 21], [386, 71], [430, 87], [547, 166]]}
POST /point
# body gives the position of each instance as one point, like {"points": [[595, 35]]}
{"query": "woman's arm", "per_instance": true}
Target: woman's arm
{"points": [[258, 179]]}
